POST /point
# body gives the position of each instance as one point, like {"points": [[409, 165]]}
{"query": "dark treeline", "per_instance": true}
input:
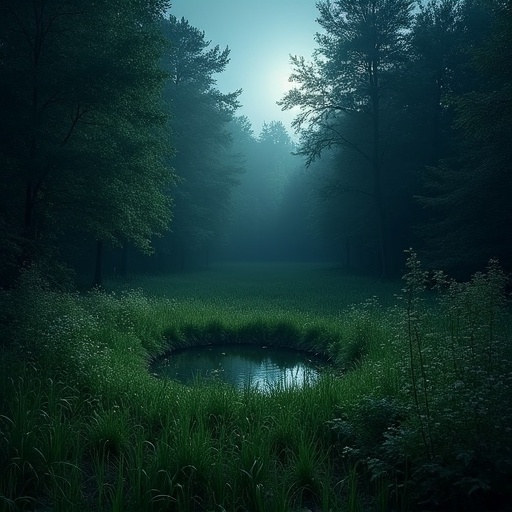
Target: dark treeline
{"points": [[115, 141], [84, 139], [411, 104]]}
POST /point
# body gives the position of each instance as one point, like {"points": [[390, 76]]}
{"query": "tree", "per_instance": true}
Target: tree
{"points": [[468, 195], [342, 212], [433, 74], [199, 118], [352, 72], [83, 149]]}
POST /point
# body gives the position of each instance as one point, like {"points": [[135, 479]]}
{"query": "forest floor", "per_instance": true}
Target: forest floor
{"points": [[416, 415]]}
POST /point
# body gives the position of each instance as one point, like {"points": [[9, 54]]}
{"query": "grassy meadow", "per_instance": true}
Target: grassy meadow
{"points": [[416, 414]]}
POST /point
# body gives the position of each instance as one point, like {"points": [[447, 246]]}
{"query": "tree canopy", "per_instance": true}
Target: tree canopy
{"points": [[84, 144], [200, 114], [362, 46]]}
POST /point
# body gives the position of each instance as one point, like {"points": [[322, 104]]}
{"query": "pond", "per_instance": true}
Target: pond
{"points": [[256, 366]]}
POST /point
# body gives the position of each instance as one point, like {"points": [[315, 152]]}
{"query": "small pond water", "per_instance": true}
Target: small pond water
{"points": [[241, 366]]}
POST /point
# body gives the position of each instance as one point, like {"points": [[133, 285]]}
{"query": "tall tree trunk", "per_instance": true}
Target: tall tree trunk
{"points": [[381, 224], [98, 268], [436, 124], [29, 230], [377, 170], [123, 261]]}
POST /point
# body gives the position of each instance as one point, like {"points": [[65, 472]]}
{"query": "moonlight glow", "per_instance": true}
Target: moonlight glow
{"points": [[259, 60]]}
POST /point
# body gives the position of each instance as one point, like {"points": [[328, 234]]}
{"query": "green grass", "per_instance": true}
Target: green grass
{"points": [[306, 306], [84, 426], [272, 288]]}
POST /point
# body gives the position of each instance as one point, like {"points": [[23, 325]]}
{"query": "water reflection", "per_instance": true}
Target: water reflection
{"points": [[241, 365]]}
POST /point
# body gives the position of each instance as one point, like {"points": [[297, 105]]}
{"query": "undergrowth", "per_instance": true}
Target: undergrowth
{"points": [[417, 414]]}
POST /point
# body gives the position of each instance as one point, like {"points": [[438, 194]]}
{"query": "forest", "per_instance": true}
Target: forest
{"points": [[141, 216]]}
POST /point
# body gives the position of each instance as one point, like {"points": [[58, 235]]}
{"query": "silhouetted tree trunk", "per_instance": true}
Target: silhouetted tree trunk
{"points": [[98, 269], [123, 261], [31, 183], [377, 164]]}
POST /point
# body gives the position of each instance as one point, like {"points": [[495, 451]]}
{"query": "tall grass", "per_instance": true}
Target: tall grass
{"points": [[418, 410]]}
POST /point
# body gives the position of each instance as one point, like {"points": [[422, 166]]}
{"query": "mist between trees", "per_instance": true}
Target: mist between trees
{"points": [[118, 153]]}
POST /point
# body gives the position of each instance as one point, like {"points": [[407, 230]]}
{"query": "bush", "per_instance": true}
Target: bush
{"points": [[444, 438]]}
